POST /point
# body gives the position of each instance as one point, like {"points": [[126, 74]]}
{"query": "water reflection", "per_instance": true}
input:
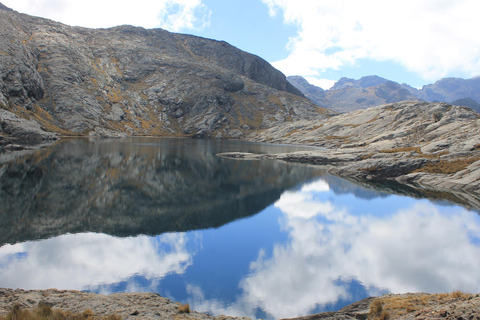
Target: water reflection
{"points": [[88, 260], [311, 248], [415, 248], [137, 186]]}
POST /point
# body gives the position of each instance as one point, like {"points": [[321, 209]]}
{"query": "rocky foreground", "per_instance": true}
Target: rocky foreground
{"points": [[456, 305]]}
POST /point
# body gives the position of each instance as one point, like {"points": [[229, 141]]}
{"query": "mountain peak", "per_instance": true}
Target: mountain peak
{"points": [[4, 7], [363, 82]]}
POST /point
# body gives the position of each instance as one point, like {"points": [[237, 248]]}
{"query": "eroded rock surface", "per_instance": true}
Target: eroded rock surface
{"points": [[429, 145]]}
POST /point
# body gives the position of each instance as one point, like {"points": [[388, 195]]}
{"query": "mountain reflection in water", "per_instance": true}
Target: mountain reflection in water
{"points": [[309, 249]]}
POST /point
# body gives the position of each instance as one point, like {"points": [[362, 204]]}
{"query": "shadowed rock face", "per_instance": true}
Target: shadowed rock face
{"points": [[133, 81], [124, 188]]}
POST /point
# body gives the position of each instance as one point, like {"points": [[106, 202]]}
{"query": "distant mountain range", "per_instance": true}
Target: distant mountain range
{"points": [[349, 94]]}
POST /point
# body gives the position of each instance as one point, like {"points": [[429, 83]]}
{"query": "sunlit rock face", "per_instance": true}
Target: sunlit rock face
{"points": [[129, 80]]}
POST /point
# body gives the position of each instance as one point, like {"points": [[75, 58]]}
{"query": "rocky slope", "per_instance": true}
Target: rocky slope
{"points": [[132, 81], [434, 146]]}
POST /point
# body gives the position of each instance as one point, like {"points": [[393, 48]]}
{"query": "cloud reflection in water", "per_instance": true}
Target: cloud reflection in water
{"points": [[89, 259], [419, 248], [333, 242]]}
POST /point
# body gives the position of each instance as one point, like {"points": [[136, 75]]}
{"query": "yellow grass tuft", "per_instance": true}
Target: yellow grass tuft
{"points": [[394, 306], [46, 312], [448, 167], [377, 312], [405, 149], [184, 308]]}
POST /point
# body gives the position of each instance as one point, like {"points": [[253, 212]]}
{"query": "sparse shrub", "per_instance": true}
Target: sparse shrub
{"points": [[384, 315], [377, 312], [410, 308], [46, 312], [184, 308], [457, 294], [88, 313], [437, 116], [376, 307]]}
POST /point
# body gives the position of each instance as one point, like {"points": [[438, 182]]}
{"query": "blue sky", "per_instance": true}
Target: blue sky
{"points": [[411, 41]]}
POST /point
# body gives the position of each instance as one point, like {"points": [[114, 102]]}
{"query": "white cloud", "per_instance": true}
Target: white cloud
{"points": [[89, 260], [173, 15], [318, 185], [431, 38], [325, 84]]}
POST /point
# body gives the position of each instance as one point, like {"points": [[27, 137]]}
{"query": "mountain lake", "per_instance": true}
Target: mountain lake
{"points": [[262, 239]]}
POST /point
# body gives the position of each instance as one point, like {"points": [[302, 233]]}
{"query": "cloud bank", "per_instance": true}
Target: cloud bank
{"points": [[173, 15], [431, 38]]}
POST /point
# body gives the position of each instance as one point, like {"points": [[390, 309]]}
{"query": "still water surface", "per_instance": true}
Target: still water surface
{"points": [[248, 238]]}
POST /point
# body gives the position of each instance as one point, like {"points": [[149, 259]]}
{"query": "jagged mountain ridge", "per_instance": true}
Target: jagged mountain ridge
{"points": [[135, 81], [349, 94]]}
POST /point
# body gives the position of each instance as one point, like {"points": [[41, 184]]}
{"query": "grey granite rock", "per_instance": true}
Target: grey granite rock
{"points": [[391, 142]]}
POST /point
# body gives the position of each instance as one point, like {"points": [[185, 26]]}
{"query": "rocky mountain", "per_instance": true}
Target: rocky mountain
{"points": [[364, 82], [309, 90], [349, 94], [467, 102], [133, 81], [451, 89]]}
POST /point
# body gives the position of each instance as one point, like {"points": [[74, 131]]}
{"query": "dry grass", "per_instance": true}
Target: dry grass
{"points": [[394, 306], [405, 149], [366, 156], [294, 131], [46, 312], [184, 308], [377, 312], [448, 167]]}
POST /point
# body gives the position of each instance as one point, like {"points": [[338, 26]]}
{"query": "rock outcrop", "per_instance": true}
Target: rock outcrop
{"points": [[435, 146], [134, 81]]}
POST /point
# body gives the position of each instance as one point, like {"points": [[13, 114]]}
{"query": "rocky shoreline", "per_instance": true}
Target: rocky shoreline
{"points": [[432, 148], [142, 305]]}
